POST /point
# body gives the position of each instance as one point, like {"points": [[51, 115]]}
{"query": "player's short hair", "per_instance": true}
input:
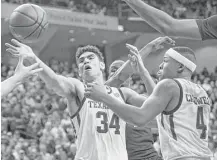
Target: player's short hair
{"points": [[117, 63], [187, 53], [89, 48]]}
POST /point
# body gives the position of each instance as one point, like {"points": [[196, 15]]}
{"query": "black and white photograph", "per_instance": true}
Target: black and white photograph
{"points": [[108, 79]]}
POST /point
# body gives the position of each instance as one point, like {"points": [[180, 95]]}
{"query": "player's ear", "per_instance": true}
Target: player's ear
{"points": [[181, 68], [102, 65], [79, 73]]}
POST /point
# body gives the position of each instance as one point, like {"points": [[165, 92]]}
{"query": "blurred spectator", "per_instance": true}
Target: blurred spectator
{"points": [[34, 123]]}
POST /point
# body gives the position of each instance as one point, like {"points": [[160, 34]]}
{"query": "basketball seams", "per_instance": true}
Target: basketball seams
{"points": [[37, 17], [38, 25], [35, 21], [43, 27]]}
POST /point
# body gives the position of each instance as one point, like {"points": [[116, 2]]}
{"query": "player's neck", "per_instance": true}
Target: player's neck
{"points": [[98, 80], [185, 75]]}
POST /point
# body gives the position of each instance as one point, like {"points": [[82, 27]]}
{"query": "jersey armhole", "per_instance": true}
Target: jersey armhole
{"points": [[199, 23], [80, 106], [122, 95], [180, 100]]}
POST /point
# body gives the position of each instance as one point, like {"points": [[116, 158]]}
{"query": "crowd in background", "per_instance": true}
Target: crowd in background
{"points": [[176, 8], [35, 122]]}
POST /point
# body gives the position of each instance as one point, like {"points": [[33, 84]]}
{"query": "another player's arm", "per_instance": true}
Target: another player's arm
{"points": [[133, 98], [9, 84], [148, 81], [156, 103], [21, 73], [125, 71], [138, 67], [61, 85], [164, 23]]}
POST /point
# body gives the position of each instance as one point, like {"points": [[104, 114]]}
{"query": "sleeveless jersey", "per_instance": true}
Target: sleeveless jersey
{"points": [[183, 132], [139, 142], [100, 132]]}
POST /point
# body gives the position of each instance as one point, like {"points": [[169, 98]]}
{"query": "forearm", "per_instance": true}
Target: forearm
{"points": [[148, 81], [158, 19], [125, 71], [128, 113], [47, 75], [9, 84]]}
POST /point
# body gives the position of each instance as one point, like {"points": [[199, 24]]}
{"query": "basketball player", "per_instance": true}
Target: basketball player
{"points": [[139, 140], [182, 107], [21, 74], [201, 29], [100, 132]]}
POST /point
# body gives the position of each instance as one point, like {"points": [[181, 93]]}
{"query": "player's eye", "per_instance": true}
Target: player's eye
{"points": [[91, 57], [81, 60]]}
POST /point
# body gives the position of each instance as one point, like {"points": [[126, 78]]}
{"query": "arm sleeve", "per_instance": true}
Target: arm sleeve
{"points": [[208, 27]]}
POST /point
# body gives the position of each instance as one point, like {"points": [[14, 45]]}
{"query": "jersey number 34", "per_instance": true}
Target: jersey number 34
{"points": [[105, 125]]}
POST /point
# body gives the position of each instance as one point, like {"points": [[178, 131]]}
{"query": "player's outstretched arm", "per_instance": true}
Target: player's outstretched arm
{"points": [[125, 71], [156, 103], [137, 62], [139, 68], [133, 98], [164, 23], [21, 74], [61, 85]]}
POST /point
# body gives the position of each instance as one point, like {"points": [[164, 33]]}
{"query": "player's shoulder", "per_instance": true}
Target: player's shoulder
{"points": [[71, 85], [168, 86], [127, 91], [130, 94]]}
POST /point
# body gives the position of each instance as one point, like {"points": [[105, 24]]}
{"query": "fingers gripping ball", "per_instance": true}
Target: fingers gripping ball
{"points": [[28, 22]]}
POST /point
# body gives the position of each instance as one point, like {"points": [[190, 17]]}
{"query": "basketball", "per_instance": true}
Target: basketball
{"points": [[28, 22]]}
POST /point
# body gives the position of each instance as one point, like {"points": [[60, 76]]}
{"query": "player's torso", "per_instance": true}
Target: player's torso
{"points": [[184, 132], [139, 141], [100, 132]]}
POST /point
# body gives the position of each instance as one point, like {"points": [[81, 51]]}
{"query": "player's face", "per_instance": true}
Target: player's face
{"points": [[90, 66], [168, 68]]}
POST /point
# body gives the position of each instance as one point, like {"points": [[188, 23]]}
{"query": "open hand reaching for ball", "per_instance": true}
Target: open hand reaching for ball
{"points": [[20, 49]]}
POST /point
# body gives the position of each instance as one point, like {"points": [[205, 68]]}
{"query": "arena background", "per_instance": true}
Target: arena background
{"points": [[108, 25]]}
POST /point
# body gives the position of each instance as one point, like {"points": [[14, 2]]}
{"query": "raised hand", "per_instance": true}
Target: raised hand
{"points": [[135, 59], [159, 43], [23, 72], [20, 49]]}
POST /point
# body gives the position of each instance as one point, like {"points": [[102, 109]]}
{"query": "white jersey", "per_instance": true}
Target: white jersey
{"points": [[100, 132], [183, 132]]}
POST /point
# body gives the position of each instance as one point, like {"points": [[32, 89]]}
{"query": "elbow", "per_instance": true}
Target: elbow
{"points": [[168, 27]]}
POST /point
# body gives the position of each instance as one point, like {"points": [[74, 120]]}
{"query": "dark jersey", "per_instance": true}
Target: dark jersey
{"points": [[139, 142], [208, 27]]}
